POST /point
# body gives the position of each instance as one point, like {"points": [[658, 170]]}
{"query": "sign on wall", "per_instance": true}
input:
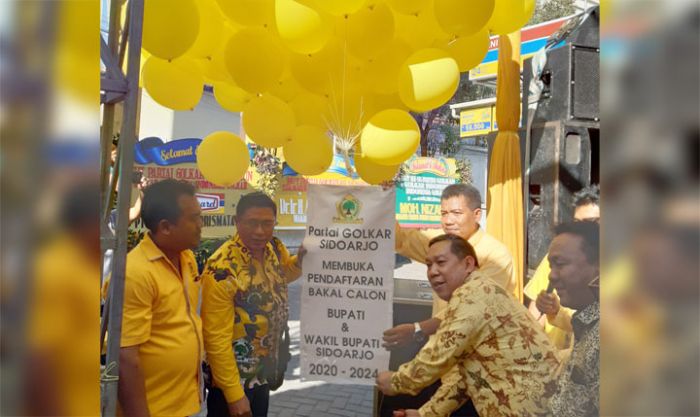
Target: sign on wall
{"points": [[532, 38], [418, 193], [479, 122], [475, 122]]}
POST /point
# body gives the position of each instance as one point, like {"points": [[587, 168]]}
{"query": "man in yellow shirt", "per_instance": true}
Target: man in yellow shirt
{"points": [[487, 347], [61, 349], [460, 215], [161, 342], [544, 305], [244, 310]]}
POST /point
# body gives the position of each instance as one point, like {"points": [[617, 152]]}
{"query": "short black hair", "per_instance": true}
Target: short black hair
{"points": [[469, 192], [458, 245], [589, 232], [586, 196], [255, 199], [160, 202], [80, 206]]}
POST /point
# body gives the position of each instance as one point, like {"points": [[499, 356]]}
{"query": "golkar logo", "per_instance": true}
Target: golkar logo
{"points": [[211, 203], [348, 209]]}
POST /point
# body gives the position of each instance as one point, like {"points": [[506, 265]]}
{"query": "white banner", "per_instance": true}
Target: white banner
{"points": [[348, 283]]}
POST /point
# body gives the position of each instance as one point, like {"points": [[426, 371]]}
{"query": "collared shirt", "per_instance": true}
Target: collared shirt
{"points": [[160, 316], [487, 348], [577, 389], [244, 307], [60, 322], [559, 331], [494, 259]]}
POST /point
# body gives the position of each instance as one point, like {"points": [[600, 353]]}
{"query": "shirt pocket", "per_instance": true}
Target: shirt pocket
{"points": [[171, 302]]}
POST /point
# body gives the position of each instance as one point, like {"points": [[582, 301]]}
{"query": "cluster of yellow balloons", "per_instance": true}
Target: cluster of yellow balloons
{"points": [[302, 71]]}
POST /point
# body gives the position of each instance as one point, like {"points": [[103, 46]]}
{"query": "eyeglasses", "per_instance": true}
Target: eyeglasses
{"points": [[254, 224]]}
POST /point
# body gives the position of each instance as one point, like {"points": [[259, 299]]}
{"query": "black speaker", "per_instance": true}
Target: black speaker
{"points": [[565, 129], [571, 84], [563, 159], [571, 74]]}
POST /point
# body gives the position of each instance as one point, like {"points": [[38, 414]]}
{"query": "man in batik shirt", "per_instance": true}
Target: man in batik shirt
{"points": [[244, 309], [487, 348], [573, 256]]}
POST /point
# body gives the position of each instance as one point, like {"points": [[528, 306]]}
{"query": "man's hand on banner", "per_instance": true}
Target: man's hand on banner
{"points": [[300, 255], [384, 383], [398, 336]]}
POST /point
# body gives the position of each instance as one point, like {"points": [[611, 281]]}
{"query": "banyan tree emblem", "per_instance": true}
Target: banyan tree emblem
{"points": [[348, 209]]}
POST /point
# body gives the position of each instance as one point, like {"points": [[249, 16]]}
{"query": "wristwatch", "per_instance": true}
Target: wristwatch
{"points": [[418, 335]]}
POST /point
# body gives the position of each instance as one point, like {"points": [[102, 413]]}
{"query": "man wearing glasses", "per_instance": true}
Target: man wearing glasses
{"points": [[244, 309]]}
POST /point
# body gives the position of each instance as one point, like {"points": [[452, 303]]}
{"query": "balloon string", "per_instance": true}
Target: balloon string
{"points": [[342, 93]]}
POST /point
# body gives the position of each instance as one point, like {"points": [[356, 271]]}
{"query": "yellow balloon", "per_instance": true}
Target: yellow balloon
{"points": [[384, 68], [286, 88], [419, 30], [222, 158], [510, 15], [312, 71], [349, 74], [408, 6], [211, 27], [254, 59], [249, 12], [381, 102], [373, 173], [605, 11], [468, 51], [463, 17], [340, 7], [428, 79], [373, 3], [310, 109], [75, 51], [268, 121], [390, 137], [177, 84], [310, 152], [367, 31], [215, 65], [73, 75], [230, 96], [302, 29], [215, 70], [74, 19], [170, 28]]}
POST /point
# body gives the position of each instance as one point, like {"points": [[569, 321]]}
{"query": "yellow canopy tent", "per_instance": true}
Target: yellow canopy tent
{"points": [[504, 220]]}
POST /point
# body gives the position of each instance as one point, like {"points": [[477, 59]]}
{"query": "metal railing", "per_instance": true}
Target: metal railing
{"points": [[118, 87]]}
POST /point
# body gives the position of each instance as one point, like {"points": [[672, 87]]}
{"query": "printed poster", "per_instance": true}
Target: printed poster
{"points": [[347, 283]]}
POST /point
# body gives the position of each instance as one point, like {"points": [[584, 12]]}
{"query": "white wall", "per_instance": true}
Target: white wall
{"points": [[154, 119], [207, 117]]}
